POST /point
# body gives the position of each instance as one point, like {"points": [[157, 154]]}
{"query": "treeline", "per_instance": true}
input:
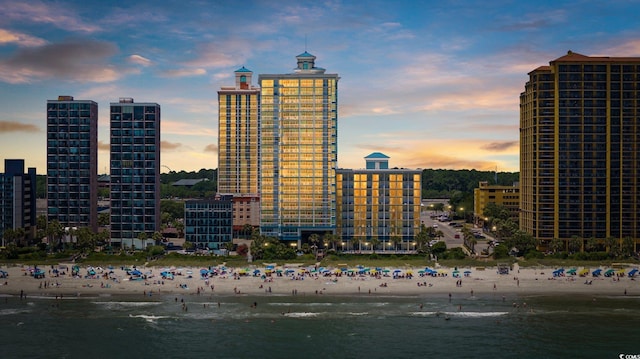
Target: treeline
{"points": [[436, 183], [446, 183]]}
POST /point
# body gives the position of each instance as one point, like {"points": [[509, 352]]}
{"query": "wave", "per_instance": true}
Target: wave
{"points": [[301, 315], [13, 311], [148, 318]]}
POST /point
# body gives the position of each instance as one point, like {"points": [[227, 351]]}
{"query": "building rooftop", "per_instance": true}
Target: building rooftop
{"points": [[243, 69], [377, 155], [186, 182]]}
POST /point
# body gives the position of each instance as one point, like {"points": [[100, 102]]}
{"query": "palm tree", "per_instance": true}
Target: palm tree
{"points": [[314, 238], [610, 244], [8, 236], [374, 242], [142, 236], [557, 245], [54, 233], [395, 240]]}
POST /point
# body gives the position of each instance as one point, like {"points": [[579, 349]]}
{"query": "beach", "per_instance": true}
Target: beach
{"points": [[298, 280]]}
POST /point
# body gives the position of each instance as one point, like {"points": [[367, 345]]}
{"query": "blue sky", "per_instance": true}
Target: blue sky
{"points": [[432, 84]]}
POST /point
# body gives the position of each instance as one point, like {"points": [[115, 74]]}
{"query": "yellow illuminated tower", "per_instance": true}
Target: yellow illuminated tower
{"points": [[579, 152], [238, 136], [299, 116]]}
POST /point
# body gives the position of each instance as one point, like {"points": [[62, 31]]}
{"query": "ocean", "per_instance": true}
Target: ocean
{"points": [[320, 326]]}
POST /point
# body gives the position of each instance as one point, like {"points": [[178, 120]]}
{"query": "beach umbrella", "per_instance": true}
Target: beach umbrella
{"points": [[386, 271], [633, 272], [256, 271], [135, 272], [572, 271], [609, 273]]}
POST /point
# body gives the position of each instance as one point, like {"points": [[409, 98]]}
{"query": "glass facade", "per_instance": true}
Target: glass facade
{"points": [[17, 198], [208, 223], [298, 155], [239, 136], [579, 143], [380, 204], [72, 162], [135, 173]]}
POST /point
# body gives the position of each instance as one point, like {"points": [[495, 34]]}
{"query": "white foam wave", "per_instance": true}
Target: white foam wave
{"points": [[301, 315], [13, 311], [148, 318]]}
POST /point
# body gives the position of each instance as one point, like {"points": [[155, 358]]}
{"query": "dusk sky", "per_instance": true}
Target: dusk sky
{"points": [[432, 84]]}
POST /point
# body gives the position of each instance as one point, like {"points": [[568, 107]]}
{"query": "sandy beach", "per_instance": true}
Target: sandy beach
{"points": [[299, 280]]}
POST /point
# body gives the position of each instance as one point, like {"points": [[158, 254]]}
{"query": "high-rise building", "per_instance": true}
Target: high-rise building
{"points": [[72, 162], [378, 204], [298, 155], [17, 199], [135, 173], [239, 148], [579, 141], [239, 136]]}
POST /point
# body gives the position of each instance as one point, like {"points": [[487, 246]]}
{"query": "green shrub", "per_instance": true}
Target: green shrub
{"points": [[534, 254]]}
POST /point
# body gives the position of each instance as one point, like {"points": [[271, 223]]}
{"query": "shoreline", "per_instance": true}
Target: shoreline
{"points": [[307, 282]]}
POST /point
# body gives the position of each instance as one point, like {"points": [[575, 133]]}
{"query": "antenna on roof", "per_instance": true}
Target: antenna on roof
{"points": [[495, 177], [305, 42]]}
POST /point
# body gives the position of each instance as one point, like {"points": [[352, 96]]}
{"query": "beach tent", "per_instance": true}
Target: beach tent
{"points": [[633, 272], [597, 272], [609, 272], [572, 271], [583, 272]]}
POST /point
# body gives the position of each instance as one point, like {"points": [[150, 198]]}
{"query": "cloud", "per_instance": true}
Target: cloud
{"points": [[24, 40], [12, 126], [221, 54], [139, 60], [169, 146], [104, 146], [534, 21], [60, 16], [628, 48], [211, 148], [184, 72], [77, 60], [500, 146]]}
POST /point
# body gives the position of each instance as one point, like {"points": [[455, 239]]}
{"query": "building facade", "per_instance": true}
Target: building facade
{"points": [[239, 136], [209, 223], [72, 162], [579, 149], [506, 196], [298, 155], [135, 173], [17, 199], [378, 205]]}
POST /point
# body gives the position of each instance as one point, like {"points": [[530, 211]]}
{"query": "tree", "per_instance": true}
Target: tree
{"points": [[8, 236], [104, 219], [188, 245], [179, 226], [611, 243], [628, 245], [574, 244], [247, 230], [557, 245], [86, 240], [592, 244], [314, 238], [54, 233], [374, 243], [356, 241], [395, 240], [157, 237]]}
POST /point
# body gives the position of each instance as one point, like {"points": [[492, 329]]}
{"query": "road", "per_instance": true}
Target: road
{"points": [[450, 232]]}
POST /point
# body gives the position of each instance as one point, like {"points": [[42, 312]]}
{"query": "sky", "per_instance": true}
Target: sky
{"points": [[431, 84]]}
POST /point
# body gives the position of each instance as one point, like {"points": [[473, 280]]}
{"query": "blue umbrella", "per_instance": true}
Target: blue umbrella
{"points": [[136, 272]]}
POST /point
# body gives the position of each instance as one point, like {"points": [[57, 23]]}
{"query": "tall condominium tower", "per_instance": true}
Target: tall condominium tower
{"points": [[299, 117], [239, 149], [377, 204], [17, 199], [239, 136], [135, 172], [72, 162], [579, 149]]}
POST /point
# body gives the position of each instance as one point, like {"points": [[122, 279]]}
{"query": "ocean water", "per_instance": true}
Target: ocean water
{"points": [[319, 326]]}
